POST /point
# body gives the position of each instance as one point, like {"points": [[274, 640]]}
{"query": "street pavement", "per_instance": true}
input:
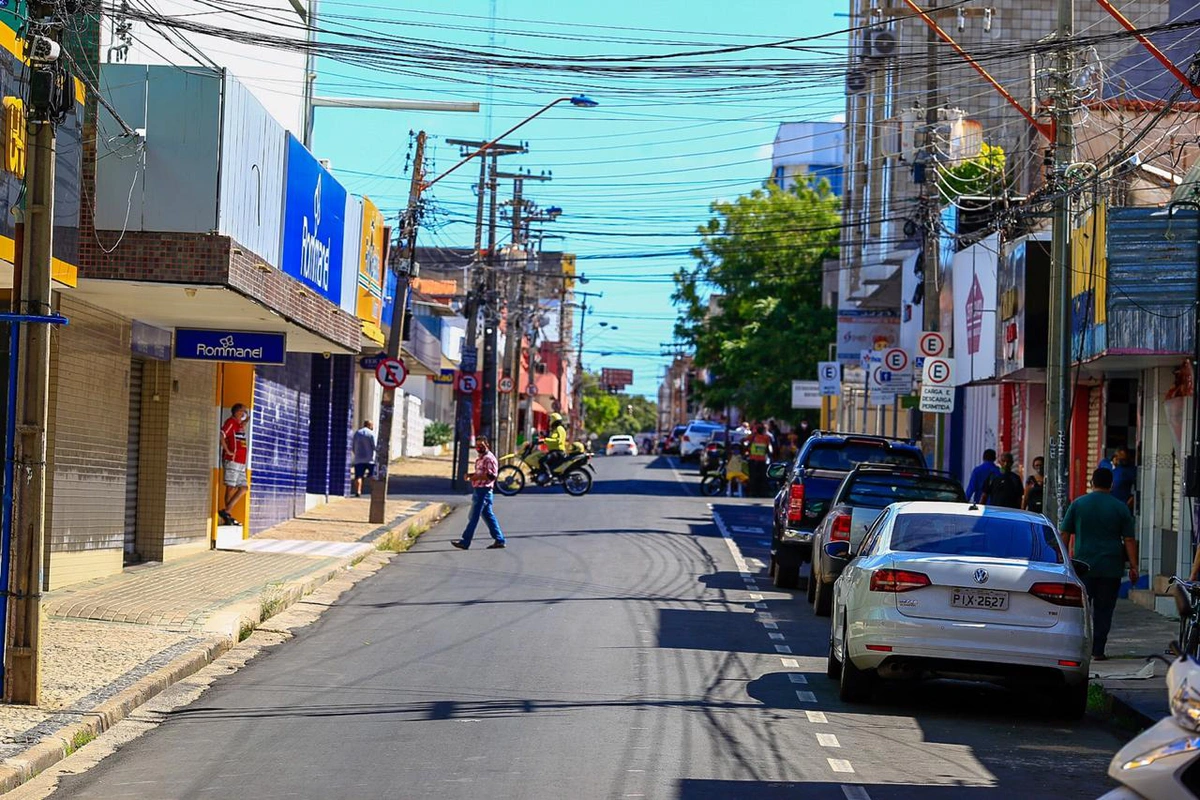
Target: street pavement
{"points": [[626, 644]]}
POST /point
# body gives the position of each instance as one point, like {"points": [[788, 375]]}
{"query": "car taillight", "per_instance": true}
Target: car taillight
{"points": [[796, 502], [687, 439], [839, 531], [1060, 594], [897, 580]]}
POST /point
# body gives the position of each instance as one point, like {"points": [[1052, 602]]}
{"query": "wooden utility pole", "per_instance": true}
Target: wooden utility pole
{"points": [[406, 267]]}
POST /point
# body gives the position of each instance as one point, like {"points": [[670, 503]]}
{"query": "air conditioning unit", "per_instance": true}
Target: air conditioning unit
{"points": [[856, 81], [881, 41]]}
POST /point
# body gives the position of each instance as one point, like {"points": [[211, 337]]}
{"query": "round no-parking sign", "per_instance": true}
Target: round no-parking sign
{"points": [[467, 384]]}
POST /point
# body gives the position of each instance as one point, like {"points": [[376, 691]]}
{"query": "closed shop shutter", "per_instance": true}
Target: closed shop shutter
{"points": [[133, 448], [1095, 428]]}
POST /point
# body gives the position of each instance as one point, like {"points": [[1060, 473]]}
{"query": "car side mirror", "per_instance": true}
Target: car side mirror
{"points": [[777, 471], [1081, 568], [838, 553]]}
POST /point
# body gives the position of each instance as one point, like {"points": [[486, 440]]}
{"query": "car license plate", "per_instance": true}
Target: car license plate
{"points": [[979, 598]]}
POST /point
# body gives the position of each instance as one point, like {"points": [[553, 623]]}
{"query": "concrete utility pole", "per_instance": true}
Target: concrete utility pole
{"points": [[577, 422], [404, 273], [491, 320], [22, 668], [1058, 356]]}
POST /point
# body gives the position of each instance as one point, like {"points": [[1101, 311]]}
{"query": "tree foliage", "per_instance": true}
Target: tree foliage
{"points": [[984, 175], [751, 306], [607, 414]]}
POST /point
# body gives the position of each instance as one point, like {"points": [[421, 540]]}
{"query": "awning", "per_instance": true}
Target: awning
{"points": [[173, 305]]}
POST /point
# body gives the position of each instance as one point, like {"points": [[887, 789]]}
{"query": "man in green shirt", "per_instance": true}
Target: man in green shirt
{"points": [[1098, 529]]}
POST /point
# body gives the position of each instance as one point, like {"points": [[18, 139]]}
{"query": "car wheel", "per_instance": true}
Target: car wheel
{"points": [[787, 574], [833, 667], [823, 597], [856, 684], [1070, 702]]}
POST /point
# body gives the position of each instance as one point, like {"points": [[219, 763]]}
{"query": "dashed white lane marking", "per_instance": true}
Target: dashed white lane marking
{"points": [[746, 576], [806, 697], [756, 597], [796, 677], [778, 637], [738, 561], [855, 793], [759, 605], [816, 717], [828, 740], [769, 625], [756, 563], [789, 663], [840, 765], [782, 648], [747, 529]]}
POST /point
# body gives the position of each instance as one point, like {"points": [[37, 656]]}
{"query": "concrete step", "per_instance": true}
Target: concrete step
{"points": [[1162, 584], [230, 537], [1143, 597]]}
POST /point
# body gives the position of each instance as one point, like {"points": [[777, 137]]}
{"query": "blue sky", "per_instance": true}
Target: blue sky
{"points": [[634, 176]]}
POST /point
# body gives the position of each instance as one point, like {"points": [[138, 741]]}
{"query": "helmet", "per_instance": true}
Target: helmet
{"points": [[556, 419]]}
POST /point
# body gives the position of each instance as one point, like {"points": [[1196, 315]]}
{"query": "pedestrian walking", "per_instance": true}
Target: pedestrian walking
{"points": [[1004, 488], [1098, 529], [483, 479], [760, 448], [980, 475], [233, 461], [362, 448], [1124, 476], [1035, 487]]}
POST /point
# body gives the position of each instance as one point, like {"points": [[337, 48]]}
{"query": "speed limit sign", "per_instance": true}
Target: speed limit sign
{"points": [[506, 384]]}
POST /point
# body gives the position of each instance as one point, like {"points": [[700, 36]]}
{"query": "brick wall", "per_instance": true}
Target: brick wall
{"points": [[279, 436], [89, 409]]}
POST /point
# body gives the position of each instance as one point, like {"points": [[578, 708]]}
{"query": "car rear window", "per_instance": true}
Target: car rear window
{"points": [[975, 535], [846, 456], [878, 491]]}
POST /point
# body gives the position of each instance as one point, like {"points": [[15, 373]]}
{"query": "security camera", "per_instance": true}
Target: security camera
{"points": [[43, 50]]}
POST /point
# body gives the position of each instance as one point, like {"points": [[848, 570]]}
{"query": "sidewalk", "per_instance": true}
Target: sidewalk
{"points": [[1137, 634], [112, 644]]}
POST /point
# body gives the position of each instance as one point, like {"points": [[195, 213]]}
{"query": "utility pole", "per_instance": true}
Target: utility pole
{"points": [[491, 320], [1058, 356], [578, 401], [404, 273], [464, 415]]}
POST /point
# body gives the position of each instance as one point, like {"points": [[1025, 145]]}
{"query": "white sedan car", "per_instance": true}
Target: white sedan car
{"points": [[621, 445], [960, 591]]}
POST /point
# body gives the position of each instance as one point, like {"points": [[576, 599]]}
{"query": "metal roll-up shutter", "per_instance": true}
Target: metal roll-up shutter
{"points": [[1095, 430], [133, 448]]}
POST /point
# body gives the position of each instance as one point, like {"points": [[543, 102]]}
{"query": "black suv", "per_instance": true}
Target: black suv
{"points": [[809, 484]]}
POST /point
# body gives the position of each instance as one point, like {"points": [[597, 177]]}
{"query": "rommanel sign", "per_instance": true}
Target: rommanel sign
{"points": [[245, 347]]}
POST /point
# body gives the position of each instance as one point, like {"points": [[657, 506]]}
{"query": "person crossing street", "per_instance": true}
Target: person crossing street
{"points": [[483, 479]]}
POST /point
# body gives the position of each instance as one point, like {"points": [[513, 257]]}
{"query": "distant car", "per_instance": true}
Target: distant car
{"points": [[622, 445], [950, 590], [695, 437], [865, 492], [671, 443]]}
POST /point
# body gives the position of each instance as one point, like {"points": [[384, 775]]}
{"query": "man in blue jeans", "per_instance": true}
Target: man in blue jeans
{"points": [[482, 481]]}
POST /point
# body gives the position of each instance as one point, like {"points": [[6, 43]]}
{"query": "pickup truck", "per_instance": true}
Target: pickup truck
{"points": [[865, 492], [809, 483]]}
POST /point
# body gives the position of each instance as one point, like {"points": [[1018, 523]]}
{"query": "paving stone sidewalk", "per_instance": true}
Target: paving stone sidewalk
{"points": [[1137, 634], [113, 643]]}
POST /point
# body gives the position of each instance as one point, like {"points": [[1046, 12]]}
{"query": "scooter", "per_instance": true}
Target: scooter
{"points": [[1163, 762]]}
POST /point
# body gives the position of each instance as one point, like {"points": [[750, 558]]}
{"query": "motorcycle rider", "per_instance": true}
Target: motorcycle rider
{"points": [[556, 447]]}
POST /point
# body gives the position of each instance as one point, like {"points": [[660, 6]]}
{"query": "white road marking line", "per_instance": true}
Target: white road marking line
{"points": [[827, 740], [816, 717], [839, 765], [855, 793], [806, 697], [769, 625], [747, 529], [756, 563], [783, 648], [756, 597], [790, 663], [796, 677], [738, 561], [778, 637], [746, 576]]}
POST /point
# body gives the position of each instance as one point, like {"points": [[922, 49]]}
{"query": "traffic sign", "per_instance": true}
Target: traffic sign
{"points": [[467, 384], [806, 394], [932, 344], [531, 389], [829, 378], [391, 373], [895, 359], [897, 362], [506, 384], [937, 386], [470, 357]]}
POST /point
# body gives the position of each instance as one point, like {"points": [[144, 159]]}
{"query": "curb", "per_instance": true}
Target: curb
{"points": [[1117, 710], [226, 628]]}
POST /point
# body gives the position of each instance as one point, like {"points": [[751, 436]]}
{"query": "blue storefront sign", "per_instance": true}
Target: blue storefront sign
{"points": [[248, 347], [314, 224], [370, 362]]}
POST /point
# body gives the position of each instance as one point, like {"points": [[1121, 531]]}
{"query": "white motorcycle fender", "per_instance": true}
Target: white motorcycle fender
{"points": [[1159, 776]]}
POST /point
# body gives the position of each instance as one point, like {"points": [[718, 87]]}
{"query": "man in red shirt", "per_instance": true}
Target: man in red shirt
{"points": [[233, 460], [482, 481]]}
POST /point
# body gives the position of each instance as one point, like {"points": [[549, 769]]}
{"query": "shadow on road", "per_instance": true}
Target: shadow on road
{"points": [[699, 789]]}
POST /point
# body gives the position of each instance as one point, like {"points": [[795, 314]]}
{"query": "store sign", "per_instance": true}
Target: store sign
{"points": [[806, 394], [369, 306], [246, 347], [314, 224], [865, 329]]}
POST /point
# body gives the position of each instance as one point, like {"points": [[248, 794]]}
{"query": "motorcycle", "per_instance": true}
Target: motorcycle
{"points": [[574, 474], [1163, 762]]}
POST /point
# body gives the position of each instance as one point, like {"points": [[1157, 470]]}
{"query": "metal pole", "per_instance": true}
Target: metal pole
{"points": [[310, 71], [1058, 361], [512, 338], [866, 398], [387, 406], [22, 676]]}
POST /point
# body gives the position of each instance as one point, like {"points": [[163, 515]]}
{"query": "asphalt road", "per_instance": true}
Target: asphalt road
{"points": [[614, 650]]}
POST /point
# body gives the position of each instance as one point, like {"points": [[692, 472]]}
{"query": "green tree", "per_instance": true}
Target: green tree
{"points": [[984, 175], [606, 414], [751, 306]]}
